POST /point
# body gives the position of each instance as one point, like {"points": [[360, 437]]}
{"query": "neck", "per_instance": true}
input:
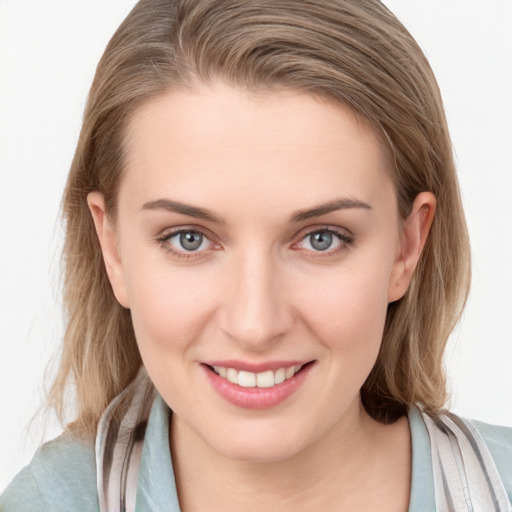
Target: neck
{"points": [[334, 473]]}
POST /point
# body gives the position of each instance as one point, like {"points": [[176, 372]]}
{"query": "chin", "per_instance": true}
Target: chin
{"points": [[267, 444], [261, 451]]}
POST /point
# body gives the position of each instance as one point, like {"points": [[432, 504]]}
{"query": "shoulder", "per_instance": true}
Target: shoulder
{"points": [[499, 442], [61, 476]]}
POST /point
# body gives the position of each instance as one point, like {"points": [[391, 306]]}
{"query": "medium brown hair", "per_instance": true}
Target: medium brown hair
{"points": [[355, 54]]}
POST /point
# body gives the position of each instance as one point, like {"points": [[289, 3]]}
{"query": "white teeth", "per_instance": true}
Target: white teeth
{"points": [[232, 375], [246, 379], [266, 379], [280, 376], [290, 372]]}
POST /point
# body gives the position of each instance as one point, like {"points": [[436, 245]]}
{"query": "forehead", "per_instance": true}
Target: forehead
{"points": [[219, 143]]}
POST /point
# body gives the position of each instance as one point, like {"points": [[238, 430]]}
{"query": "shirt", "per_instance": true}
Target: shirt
{"points": [[62, 473]]}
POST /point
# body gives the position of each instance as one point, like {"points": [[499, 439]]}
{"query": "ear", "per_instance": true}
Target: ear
{"points": [[107, 238], [414, 234]]}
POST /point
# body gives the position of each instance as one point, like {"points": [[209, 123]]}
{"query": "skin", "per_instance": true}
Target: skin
{"points": [[258, 291]]}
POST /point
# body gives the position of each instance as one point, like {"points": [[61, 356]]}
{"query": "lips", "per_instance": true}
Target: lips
{"points": [[257, 386]]}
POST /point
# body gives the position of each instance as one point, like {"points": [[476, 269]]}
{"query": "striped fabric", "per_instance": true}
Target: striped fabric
{"points": [[465, 476], [119, 441]]}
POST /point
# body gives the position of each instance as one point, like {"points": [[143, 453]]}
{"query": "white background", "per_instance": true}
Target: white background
{"points": [[48, 53]]}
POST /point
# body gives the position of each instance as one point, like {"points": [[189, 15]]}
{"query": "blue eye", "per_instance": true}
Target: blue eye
{"points": [[187, 240], [324, 240], [191, 240], [321, 241]]}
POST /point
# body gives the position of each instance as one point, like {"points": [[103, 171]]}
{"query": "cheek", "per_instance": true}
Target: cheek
{"points": [[347, 310], [169, 306]]}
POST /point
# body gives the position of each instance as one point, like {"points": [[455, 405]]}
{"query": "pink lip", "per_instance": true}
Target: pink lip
{"points": [[256, 398]]}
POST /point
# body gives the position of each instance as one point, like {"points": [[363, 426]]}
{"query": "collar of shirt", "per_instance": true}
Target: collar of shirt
{"points": [[156, 488]]}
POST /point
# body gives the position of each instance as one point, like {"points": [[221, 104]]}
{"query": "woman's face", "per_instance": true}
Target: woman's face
{"points": [[256, 236]]}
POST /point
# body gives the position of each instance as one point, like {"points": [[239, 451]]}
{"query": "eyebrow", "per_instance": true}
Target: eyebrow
{"points": [[297, 216], [185, 209], [342, 203]]}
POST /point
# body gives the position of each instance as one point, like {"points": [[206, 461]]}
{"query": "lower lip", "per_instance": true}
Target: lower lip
{"points": [[257, 398]]}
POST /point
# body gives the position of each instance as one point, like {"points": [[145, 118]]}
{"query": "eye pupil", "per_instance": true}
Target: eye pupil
{"points": [[191, 240], [321, 241]]}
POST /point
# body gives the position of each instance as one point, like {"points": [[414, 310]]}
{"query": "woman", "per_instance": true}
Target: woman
{"points": [[265, 237]]}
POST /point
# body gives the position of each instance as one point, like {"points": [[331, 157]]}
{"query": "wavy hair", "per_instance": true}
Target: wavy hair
{"points": [[354, 54]]}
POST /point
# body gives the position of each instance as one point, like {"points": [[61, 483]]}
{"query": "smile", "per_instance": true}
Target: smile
{"points": [[263, 387], [267, 379]]}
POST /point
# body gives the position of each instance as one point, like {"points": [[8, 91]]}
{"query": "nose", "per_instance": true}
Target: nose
{"points": [[255, 310]]}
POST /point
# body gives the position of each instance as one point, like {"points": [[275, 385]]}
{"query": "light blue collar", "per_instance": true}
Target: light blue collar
{"points": [[156, 488], [422, 480]]}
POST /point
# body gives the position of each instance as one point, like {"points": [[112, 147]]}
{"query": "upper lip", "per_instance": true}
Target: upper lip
{"points": [[257, 367]]}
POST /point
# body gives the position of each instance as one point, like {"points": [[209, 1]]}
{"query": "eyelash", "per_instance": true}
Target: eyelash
{"points": [[346, 241], [163, 241]]}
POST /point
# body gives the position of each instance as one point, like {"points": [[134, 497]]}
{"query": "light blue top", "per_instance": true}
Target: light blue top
{"points": [[62, 474]]}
